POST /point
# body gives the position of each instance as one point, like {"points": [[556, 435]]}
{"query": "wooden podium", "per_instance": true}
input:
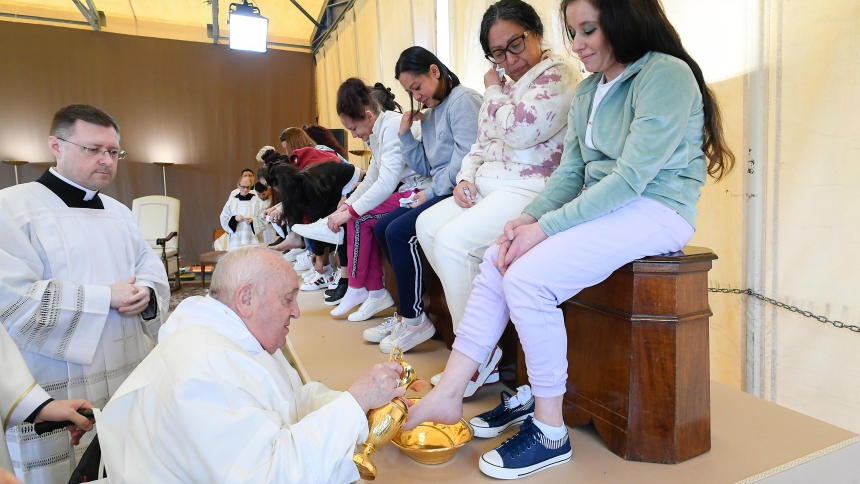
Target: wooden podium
{"points": [[639, 359]]}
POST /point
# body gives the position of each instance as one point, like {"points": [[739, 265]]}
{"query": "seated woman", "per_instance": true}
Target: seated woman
{"points": [[449, 126], [377, 195], [640, 134], [310, 195], [521, 130]]}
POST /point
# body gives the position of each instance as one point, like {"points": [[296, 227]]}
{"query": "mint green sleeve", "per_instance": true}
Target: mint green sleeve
{"points": [[567, 180], [661, 112]]}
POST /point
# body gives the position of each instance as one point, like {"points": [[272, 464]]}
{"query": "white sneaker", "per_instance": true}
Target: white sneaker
{"points": [[319, 231], [486, 374], [292, 254], [337, 275], [407, 337], [372, 306], [303, 262], [378, 333], [318, 281]]}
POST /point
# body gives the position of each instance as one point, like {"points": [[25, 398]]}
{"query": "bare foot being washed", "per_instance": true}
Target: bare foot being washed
{"points": [[437, 406]]}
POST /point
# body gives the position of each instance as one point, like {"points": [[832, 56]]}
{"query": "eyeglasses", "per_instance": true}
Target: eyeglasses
{"points": [[515, 46], [114, 153], [244, 187]]}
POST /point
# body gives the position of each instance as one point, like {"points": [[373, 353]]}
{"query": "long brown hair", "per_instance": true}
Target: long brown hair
{"points": [[295, 138], [323, 136], [353, 99], [636, 27]]}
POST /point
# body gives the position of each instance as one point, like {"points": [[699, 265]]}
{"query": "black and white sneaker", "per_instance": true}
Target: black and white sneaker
{"points": [[512, 411], [526, 453], [333, 296]]}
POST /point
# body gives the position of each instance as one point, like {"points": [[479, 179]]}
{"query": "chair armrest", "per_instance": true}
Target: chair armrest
{"points": [[164, 240]]}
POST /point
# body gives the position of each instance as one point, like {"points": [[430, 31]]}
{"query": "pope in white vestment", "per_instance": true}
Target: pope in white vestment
{"points": [[69, 258], [217, 401]]}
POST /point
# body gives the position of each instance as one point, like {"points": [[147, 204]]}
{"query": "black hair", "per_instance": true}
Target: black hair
{"points": [[516, 11], [289, 183], [248, 170], [353, 99], [385, 98], [636, 27], [417, 60]]}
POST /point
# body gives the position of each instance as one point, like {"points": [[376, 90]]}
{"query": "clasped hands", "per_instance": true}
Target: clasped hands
{"points": [[519, 236], [128, 299]]}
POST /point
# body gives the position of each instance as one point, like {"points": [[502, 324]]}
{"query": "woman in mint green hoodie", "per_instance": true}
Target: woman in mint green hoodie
{"points": [[643, 133]]}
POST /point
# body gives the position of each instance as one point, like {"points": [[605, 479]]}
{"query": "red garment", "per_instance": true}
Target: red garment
{"points": [[305, 157]]}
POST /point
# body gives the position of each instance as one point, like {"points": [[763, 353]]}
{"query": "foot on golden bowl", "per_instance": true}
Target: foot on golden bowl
{"points": [[433, 443]]}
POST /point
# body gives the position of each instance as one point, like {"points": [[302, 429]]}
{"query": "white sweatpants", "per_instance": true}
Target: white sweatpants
{"points": [[454, 238]]}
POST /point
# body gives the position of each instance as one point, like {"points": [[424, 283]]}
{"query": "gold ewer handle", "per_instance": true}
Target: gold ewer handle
{"points": [[384, 422]]}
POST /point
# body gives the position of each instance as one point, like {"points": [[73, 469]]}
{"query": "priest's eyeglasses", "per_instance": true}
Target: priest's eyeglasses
{"points": [[515, 46], [114, 153]]}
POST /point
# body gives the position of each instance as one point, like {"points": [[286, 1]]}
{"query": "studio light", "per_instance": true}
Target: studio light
{"points": [[248, 29]]}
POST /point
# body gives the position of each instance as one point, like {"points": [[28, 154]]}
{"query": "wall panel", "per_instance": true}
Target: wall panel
{"points": [[204, 107]]}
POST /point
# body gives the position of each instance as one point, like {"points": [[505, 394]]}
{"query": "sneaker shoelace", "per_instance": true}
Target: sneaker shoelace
{"points": [[522, 441], [399, 329], [388, 322], [501, 409]]}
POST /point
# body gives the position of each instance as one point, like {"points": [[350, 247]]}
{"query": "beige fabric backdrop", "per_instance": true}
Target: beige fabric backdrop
{"points": [[784, 224]]}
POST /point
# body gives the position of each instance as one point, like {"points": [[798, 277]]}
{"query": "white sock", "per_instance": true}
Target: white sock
{"points": [[377, 294], [354, 297], [414, 321], [552, 433], [326, 270]]}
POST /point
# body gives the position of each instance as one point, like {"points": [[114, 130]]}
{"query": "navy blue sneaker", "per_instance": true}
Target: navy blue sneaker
{"points": [[491, 424], [524, 454]]}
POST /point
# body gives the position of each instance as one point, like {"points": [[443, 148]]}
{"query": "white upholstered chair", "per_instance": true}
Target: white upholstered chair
{"points": [[158, 219]]}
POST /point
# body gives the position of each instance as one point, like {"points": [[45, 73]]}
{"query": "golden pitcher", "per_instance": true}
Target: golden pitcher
{"points": [[384, 422]]}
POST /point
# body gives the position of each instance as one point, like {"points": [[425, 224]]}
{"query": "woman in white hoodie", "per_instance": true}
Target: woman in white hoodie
{"points": [[377, 195]]}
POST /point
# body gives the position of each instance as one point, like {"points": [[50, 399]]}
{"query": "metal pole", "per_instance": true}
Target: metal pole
{"points": [[164, 177], [16, 174]]}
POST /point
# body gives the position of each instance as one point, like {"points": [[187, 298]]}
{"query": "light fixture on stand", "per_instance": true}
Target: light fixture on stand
{"points": [[248, 29], [163, 166], [16, 164]]}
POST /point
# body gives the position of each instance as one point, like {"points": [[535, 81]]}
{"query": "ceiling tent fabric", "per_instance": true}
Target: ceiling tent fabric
{"points": [[176, 19]]}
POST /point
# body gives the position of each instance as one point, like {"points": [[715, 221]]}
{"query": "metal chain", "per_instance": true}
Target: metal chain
{"points": [[762, 297]]}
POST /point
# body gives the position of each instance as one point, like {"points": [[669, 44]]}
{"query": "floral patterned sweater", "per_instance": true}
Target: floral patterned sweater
{"points": [[521, 125]]}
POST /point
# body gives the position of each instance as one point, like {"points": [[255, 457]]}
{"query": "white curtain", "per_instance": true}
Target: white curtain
{"points": [[789, 235]]}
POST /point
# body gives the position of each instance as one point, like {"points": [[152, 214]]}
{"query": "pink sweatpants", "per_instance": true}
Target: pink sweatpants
{"points": [[550, 273], [363, 265]]}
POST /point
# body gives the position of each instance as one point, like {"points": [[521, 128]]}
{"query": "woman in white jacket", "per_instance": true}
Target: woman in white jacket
{"points": [[377, 195]]}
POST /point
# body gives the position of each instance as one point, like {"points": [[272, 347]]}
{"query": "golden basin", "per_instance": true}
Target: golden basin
{"points": [[433, 443]]}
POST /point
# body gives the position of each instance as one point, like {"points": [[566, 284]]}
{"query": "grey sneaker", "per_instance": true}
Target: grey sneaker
{"points": [[407, 337], [378, 333]]}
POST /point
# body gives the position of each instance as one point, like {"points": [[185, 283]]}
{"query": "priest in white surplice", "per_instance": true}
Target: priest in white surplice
{"points": [[241, 216], [217, 401], [79, 286]]}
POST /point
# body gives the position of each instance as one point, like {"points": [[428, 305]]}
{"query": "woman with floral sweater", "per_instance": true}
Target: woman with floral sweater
{"points": [[521, 129]]}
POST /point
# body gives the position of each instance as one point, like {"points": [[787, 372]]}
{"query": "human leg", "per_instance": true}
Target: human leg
{"points": [[459, 244], [580, 257], [429, 222], [483, 323]]}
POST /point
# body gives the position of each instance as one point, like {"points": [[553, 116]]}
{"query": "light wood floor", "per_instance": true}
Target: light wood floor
{"points": [[749, 436]]}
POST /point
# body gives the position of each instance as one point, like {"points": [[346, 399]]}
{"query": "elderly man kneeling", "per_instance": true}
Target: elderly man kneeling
{"points": [[216, 401]]}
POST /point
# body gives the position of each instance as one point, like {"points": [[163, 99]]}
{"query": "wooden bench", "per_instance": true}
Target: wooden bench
{"points": [[638, 355]]}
